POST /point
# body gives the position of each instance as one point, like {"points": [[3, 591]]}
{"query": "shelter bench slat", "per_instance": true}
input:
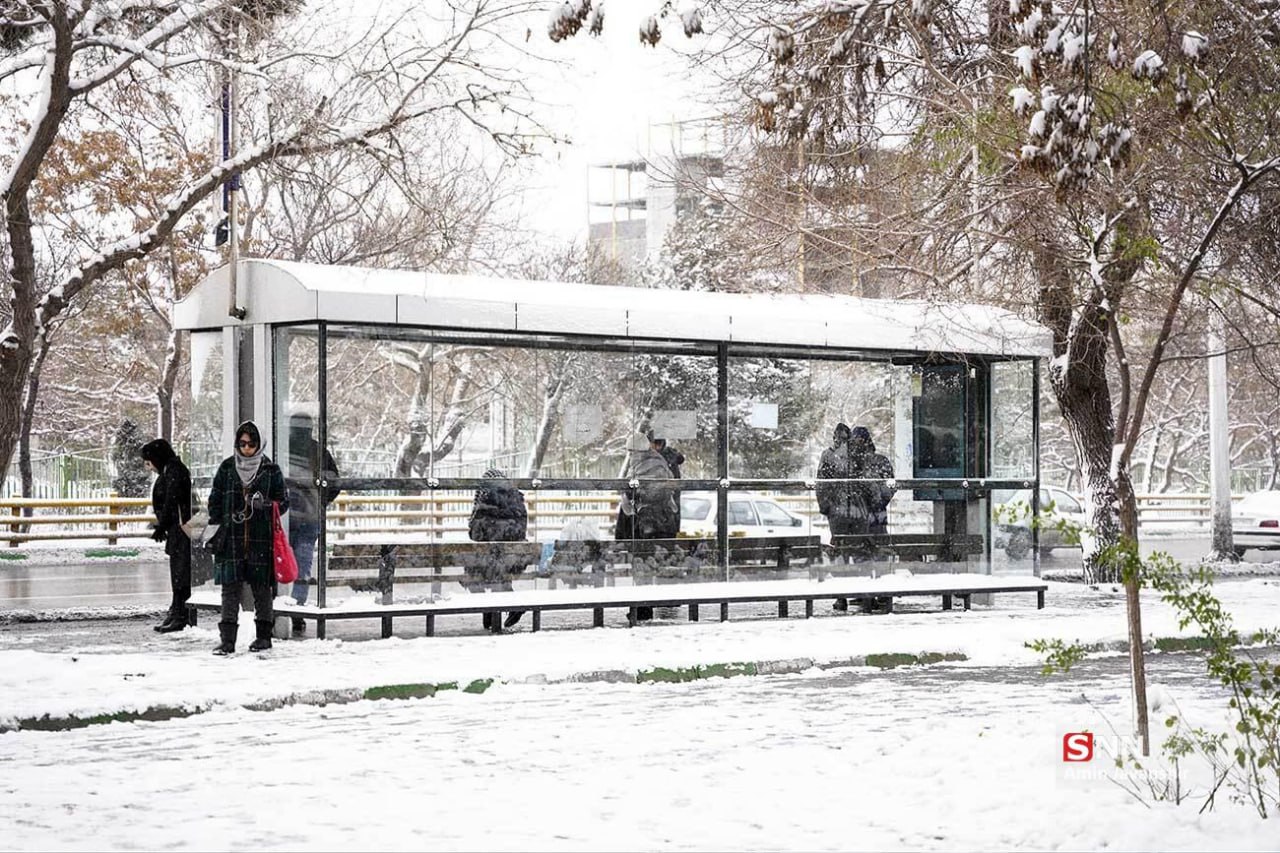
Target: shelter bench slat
{"points": [[691, 595]]}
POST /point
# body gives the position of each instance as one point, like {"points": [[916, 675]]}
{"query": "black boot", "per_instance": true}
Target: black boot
{"points": [[228, 635], [264, 637], [173, 622], [512, 618], [164, 623], [841, 604], [299, 627]]}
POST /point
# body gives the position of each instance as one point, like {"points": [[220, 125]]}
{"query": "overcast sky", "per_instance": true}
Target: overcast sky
{"points": [[606, 96]]}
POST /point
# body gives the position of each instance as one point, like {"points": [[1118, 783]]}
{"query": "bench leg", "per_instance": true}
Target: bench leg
{"points": [[966, 598], [386, 627], [319, 629], [597, 617], [693, 613], [782, 609], [192, 617], [1039, 600], [724, 611], [431, 624], [808, 608], [495, 624], [537, 620], [631, 617], [946, 601]]}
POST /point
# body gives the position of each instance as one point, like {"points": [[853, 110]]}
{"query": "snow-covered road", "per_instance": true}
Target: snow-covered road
{"points": [[951, 756], [938, 759]]}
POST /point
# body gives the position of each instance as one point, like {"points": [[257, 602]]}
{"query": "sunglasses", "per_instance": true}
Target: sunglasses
{"points": [[246, 444]]}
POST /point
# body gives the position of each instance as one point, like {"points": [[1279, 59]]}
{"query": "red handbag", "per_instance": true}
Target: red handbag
{"points": [[286, 563]]}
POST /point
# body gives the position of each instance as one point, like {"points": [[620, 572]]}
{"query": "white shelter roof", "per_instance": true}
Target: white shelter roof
{"points": [[285, 292]]}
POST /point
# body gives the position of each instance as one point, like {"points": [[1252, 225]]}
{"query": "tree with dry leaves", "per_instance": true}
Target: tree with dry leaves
{"points": [[311, 89]]}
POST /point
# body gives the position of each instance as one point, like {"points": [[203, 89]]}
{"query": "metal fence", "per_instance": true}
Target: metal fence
{"points": [[445, 515]]}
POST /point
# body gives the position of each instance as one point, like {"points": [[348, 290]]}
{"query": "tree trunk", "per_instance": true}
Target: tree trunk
{"points": [[28, 416], [556, 386], [1128, 507], [17, 351], [1087, 411], [164, 390]]}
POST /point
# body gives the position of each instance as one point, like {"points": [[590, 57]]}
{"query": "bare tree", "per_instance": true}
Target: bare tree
{"points": [[382, 79]]}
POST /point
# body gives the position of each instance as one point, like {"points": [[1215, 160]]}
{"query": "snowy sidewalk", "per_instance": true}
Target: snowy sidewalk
{"points": [[177, 670]]}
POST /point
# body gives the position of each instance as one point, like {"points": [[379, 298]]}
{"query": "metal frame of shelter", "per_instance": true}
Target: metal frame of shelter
{"points": [[276, 295]]}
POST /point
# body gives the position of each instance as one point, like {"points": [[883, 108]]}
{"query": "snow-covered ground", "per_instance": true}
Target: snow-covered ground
{"points": [[827, 756]]}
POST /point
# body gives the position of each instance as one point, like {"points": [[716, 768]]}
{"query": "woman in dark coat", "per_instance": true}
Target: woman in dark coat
{"points": [[171, 503], [240, 501]]}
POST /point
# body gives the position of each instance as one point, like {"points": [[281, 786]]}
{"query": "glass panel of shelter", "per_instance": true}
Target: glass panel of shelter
{"points": [[204, 448], [905, 421], [297, 449], [1013, 457], [442, 410], [424, 406]]}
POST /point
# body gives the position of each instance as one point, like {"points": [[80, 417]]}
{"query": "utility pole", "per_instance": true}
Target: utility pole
{"points": [[1219, 441], [232, 184]]}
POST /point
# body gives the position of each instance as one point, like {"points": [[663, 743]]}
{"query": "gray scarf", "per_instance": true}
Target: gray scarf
{"points": [[247, 466]]}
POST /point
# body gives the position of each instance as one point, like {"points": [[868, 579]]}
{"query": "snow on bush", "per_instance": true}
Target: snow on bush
{"points": [[1023, 99], [567, 18], [1025, 57], [1149, 66], [1194, 45]]}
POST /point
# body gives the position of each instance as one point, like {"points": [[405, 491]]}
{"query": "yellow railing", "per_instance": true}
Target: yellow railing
{"points": [[115, 518], [131, 514]]}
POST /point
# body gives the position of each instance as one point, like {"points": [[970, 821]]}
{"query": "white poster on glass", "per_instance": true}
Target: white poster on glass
{"points": [[674, 424], [583, 424], [763, 415]]}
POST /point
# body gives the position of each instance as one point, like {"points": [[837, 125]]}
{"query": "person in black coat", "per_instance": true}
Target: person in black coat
{"points": [[171, 503], [244, 487], [498, 514]]}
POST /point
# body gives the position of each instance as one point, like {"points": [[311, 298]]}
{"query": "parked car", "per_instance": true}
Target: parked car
{"points": [[1255, 522], [1013, 528], [750, 516]]}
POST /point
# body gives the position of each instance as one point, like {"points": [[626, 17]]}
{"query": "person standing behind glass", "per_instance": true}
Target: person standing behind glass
{"points": [[674, 459], [498, 514], [305, 501], [877, 496], [841, 503], [240, 501], [171, 503], [874, 465]]}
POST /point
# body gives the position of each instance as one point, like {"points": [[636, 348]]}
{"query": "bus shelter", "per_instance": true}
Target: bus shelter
{"points": [[430, 391]]}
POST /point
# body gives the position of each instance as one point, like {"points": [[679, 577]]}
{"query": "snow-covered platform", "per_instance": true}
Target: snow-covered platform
{"points": [[694, 596]]}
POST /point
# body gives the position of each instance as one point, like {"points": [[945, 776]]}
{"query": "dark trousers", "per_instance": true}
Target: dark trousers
{"points": [[180, 576], [262, 609], [845, 526]]}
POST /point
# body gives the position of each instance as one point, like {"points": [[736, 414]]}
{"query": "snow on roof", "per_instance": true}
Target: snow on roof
{"points": [[282, 292]]}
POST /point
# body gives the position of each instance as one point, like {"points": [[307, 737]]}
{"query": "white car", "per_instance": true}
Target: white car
{"points": [[750, 516], [1058, 509], [1255, 522]]}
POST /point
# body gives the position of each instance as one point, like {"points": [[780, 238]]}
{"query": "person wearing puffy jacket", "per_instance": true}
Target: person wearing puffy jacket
{"points": [[171, 503], [244, 488], [498, 514]]}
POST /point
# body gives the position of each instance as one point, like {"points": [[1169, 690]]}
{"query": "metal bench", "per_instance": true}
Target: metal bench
{"points": [[908, 547], [693, 596]]}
